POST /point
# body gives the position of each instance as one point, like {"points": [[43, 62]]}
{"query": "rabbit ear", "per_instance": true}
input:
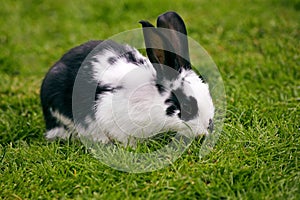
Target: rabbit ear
{"points": [[160, 52], [177, 36], [158, 47]]}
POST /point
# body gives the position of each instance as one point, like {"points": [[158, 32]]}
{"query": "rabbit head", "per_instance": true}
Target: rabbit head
{"points": [[188, 96]]}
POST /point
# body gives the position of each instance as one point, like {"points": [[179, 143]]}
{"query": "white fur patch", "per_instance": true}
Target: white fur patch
{"points": [[54, 133], [60, 132], [76, 130]]}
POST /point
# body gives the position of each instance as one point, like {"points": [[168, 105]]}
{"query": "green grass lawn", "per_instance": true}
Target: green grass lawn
{"points": [[255, 44]]}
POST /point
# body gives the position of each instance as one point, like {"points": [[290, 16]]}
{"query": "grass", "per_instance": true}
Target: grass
{"points": [[255, 44]]}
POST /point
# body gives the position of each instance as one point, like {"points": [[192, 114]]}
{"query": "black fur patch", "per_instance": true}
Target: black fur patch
{"points": [[101, 89], [161, 89], [186, 105], [174, 105], [57, 87], [131, 58], [112, 60], [202, 78]]}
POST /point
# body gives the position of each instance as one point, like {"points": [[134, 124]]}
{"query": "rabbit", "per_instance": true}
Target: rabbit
{"points": [[131, 96]]}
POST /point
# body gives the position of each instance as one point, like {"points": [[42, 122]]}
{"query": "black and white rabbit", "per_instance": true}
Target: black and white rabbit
{"points": [[132, 96]]}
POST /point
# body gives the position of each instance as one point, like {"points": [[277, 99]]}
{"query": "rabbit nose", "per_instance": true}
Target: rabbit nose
{"points": [[210, 125]]}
